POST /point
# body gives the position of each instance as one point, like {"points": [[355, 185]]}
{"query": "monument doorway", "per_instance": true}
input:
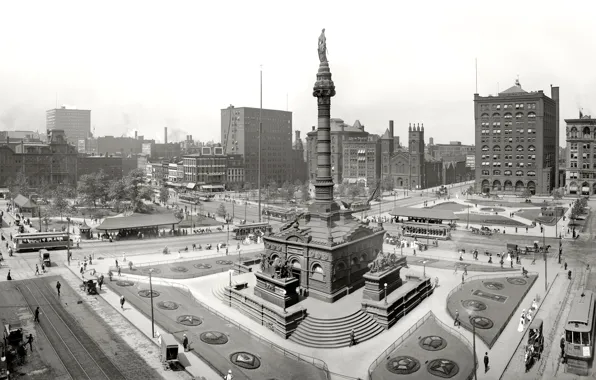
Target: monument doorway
{"points": [[296, 269]]}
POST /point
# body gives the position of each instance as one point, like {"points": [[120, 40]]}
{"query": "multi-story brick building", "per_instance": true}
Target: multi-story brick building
{"points": [[451, 150], [517, 141], [206, 170], [54, 162], [240, 135], [360, 163], [580, 170], [235, 172]]}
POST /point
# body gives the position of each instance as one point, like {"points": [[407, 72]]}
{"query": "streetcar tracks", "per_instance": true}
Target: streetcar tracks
{"points": [[68, 338]]}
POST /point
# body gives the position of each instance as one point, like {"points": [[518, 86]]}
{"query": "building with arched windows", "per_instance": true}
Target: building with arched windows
{"points": [[517, 141], [580, 166]]}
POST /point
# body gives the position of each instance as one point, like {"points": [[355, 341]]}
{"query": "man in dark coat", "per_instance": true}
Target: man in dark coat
{"points": [[185, 343], [58, 286]]}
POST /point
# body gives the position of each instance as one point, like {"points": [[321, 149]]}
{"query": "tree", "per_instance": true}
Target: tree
{"points": [[18, 185], [272, 189], [221, 210], [470, 191], [387, 183], [342, 189], [164, 194], [354, 191], [557, 194], [117, 193], [45, 190], [526, 193], [136, 189], [92, 187], [60, 205], [305, 192], [288, 191]]}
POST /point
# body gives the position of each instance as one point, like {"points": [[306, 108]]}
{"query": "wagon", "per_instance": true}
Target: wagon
{"points": [[13, 333], [169, 349], [535, 344], [44, 257]]}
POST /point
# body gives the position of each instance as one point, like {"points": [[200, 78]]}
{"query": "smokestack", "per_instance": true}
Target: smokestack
{"points": [[190, 137], [136, 134], [165, 135], [313, 128], [297, 133], [391, 128]]}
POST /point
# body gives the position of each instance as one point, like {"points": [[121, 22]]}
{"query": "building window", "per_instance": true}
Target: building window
{"points": [[531, 173], [484, 116], [508, 148], [485, 148], [496, 172], [532, 148], [496, 148], [573, 164], [485, 172], [531, 115], [519, 115], [508, 116], [496, 115], [507, 172], [531, 106], [519, 148], [519, 173], [573, 133]]}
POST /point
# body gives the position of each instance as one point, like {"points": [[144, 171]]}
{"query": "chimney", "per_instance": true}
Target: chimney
{"points": [[297, 135], [313, 127], [165, 135], [190, 137], [391, 128], [136, 135]]}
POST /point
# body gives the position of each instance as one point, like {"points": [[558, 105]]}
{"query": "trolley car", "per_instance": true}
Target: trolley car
{"points": [[579, 330]]}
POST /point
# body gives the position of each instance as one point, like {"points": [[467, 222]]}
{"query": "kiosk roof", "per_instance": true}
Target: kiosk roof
{"points": [[137, 221], [423, 213]]}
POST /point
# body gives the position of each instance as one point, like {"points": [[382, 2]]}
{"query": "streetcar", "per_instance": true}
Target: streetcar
{"points": [[579, 329], [189, 198], [243, 231], [40, 240]]}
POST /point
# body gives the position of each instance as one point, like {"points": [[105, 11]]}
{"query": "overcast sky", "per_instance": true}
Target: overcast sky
{"points": [[146, 64]]}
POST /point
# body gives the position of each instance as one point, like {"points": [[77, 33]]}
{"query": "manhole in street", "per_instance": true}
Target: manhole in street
{"points": [[167, 305], [433, 343], [403, 365], [189, 320], [484, 323], [179, 269], [148, 294], [494, 285], [474, 305], [224, 262], [245, 360], [214, 337], [124, 283], [444, 368], [516, 281], [152, 270], [202, 266]]}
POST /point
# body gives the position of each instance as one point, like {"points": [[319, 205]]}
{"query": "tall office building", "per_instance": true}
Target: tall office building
{"points": [[75, 123], [240, 135], [516, 141], [580, 168]]}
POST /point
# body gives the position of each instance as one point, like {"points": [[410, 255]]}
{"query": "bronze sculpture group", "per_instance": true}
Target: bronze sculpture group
{"points": [[278, 268], [382, 262]]}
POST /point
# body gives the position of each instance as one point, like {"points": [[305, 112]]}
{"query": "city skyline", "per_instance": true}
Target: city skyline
{"points": [[155, 67]]}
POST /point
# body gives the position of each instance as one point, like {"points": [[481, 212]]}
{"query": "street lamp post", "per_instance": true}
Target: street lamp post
{"points": [[230, 285], [468, 223], [385, 285], [68, 239], [424, 268], [151, 295], [245, 206], [545, 267], [474, 346]]}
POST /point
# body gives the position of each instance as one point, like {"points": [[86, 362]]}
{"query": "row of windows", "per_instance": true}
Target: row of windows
{"points": [[499, 139], [585, 146], [508, 148], [585, 165], [518, 173], [509, 156], [575, 134], [508, 116], [508, 106], [574, 156], [573, 175], [497, 164]]}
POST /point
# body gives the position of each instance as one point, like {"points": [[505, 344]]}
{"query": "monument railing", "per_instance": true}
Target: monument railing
{"points": [[290, 354], [463, 339], [398, 342], [232, 256]]}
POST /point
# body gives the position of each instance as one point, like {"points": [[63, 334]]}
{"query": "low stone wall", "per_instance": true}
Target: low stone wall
{"points": [[283, 324], [413, 291]]}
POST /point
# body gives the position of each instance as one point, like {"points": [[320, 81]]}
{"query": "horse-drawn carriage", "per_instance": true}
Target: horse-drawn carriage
{"points": [[90, 287], [168, 351], [535, 344], [482, 231]]}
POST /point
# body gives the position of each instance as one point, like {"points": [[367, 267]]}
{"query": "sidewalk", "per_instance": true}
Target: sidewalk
{"points": [[195, 366]]}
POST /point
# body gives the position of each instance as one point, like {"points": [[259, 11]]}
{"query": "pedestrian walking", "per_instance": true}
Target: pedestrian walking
{"points": [[8, 276], [185, 343], [456, 321], [466, 270], [58, 286], [565, 265], [43, 268], [116, 263], [36, 269], [352, 338], [486, 362], [455, 271], [119, 271], [30, 341], [229, 376], [36, 319], [463, 280], [562, 344], [122, 300]]}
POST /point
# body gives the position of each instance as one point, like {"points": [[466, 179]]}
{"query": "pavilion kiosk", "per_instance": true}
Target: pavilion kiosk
{"points": [[85, 230]]}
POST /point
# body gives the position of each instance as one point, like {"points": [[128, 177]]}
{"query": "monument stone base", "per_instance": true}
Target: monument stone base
{"points": [[374, 287], [281, 292]]}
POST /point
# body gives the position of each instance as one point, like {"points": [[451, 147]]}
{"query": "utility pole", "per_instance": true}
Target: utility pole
{"points": [[545, 267], [260, 130]]}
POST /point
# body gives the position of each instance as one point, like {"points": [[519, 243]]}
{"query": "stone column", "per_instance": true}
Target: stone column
{"points": [[323, 90]]}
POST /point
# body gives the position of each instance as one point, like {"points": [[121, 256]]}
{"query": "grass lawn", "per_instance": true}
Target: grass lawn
{"points": [[534, 214], [450, 206], [199, 221], [497, 203]]}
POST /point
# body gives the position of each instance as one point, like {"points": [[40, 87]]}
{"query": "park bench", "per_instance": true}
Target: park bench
{"points": [[240, 285]]}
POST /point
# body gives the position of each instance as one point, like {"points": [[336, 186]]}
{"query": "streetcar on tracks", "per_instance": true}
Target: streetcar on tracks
{"points": [[243, 231], [579, 332], [41, 240]]}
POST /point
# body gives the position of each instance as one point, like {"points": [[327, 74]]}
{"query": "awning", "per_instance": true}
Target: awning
{"points": [[423, 213], [137, 221], [4, 190], [212, 187], [191, 185], [585, 189]]}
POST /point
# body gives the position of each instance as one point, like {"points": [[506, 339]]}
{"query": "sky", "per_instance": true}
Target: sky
{"points": [[144, 65]]}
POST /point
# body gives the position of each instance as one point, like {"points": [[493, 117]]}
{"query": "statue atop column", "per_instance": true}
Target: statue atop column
{"points": [[322, 47]]}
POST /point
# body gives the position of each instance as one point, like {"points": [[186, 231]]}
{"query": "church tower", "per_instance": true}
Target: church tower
{"points": [[416, 151]]}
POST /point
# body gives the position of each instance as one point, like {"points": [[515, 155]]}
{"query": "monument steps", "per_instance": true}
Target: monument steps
{"points": [[335, 332], [219, 292]]}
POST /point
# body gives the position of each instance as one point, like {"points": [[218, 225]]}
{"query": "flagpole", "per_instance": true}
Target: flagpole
{"points": [[260, 129]]}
